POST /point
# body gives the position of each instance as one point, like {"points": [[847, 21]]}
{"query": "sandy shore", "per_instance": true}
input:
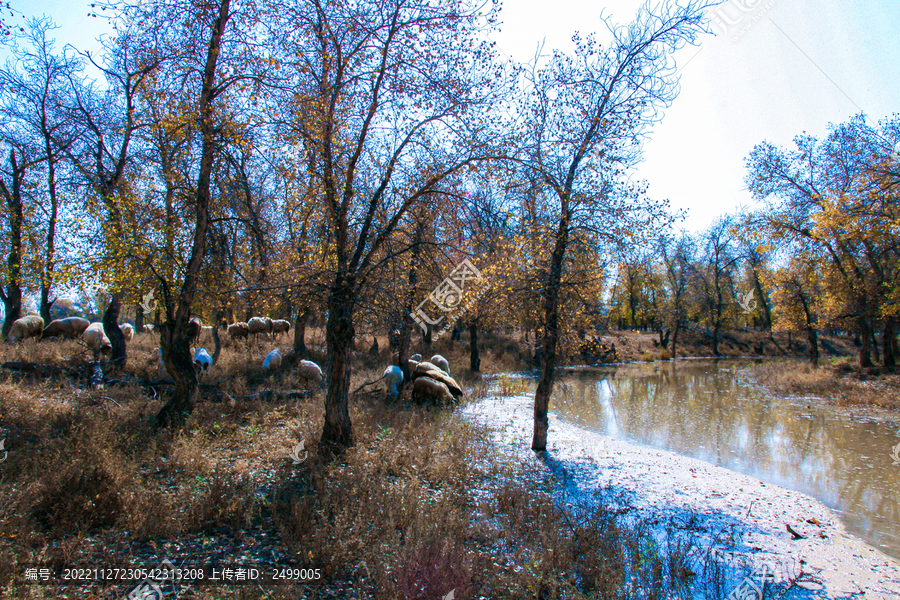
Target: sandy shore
{"points": [[829, 562]]}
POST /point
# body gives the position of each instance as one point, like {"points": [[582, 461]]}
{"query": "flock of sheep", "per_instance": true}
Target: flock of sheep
{"points": [[431, 379]]}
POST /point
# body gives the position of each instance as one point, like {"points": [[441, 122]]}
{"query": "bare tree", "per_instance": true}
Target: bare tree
{"points": [[586, 121], [35, 89]]}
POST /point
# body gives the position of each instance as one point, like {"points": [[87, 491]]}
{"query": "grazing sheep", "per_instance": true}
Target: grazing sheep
{"points": [[238, 330], [441, 362], [195, 327], [127, 331], [416, 357], [26, 327], [273, 360], [148, 328], [206, 332], [430, 371], [393, 377], [260, 325], [202, 360], [280, 326], [70, 327], [429, 390], [310, 370], [95, 338]]}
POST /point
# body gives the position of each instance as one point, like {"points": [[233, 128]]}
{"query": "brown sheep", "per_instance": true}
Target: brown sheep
{"points": [[280, 326], [26, 327], [195, 327], [429, 390], [429, 370], [70, 327], [311, 371], [238, 330], [260, 325]]}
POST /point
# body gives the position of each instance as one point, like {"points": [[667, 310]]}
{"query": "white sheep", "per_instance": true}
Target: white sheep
{"points": [[393, 377], [127, 331], [273, 360], [70, 327], [95, 338], [202, 360], [416, 357], [26, 327], [310, 370], [441, 363]]}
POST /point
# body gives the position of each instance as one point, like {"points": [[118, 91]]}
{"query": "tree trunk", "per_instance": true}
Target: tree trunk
{"points": [[406, 321], [176, 343], [337, 435], [875, 345], [551, 334], [116, 337], [12, 304], [300, 333], [138, 318], [176, 348], [675, 340], [46, 304], [715, 339], [813, 337], [890, 342], [215, 335], [811, 333], [474, 358], [12, 299], [865, 346], [767, 311]]}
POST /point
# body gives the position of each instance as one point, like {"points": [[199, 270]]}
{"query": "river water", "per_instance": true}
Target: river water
{"points": [[711, 411]]}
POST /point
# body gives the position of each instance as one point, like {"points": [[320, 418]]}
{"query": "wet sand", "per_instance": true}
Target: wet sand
{"points": [[829, 562]]}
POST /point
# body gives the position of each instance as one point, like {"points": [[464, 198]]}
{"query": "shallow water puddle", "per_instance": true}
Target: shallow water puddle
{"points": [[706, 410]]}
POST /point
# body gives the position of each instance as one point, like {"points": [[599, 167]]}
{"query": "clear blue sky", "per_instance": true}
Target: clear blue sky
{"points": [[795, 66]]}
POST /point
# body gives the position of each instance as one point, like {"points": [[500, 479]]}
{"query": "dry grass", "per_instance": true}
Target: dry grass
{"points": [[841, 381], [419, 506]]}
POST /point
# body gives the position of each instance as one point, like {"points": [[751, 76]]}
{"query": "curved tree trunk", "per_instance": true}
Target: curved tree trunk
{"points": [[551, 335], [175, 344], [675, 331], [337, 435], [46, 304], [174, 337]]}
